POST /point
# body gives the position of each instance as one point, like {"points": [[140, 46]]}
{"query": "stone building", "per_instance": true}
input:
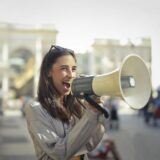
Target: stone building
{"points": [[109, 53], [21, 51]]}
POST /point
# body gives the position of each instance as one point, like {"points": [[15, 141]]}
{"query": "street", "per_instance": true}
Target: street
{"points": [[134, 140], [15, 143]]}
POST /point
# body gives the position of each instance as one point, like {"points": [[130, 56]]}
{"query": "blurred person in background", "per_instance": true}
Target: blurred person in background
{"points": [[112, 104], [151, 111], [62, 126]]}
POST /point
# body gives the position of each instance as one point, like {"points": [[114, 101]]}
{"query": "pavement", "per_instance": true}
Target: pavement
{"points": [[15, 143]]}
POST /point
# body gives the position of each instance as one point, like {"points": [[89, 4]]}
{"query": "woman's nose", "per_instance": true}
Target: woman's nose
{"points": [[71, 74]]}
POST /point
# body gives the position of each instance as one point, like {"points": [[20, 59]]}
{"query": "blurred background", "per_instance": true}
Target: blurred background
{"points": [[101, 33]]}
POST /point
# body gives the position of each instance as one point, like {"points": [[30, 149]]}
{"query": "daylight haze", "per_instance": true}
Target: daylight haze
{"points": [[79, 22]]}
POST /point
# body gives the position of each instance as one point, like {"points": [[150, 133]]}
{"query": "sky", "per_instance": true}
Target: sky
{"points": [[80, 22]]}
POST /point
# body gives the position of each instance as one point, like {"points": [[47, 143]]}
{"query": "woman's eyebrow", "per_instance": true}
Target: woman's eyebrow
{"points": [[68, 66]]}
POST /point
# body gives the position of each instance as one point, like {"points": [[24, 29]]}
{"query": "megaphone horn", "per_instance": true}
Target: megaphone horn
{"points": [[131, 82]]}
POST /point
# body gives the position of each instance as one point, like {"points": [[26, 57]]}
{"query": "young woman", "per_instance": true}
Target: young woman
{"points": [[61, 126]]}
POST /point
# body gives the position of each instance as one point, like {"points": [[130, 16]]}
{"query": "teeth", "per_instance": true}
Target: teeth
{"points": [[66, 84]]}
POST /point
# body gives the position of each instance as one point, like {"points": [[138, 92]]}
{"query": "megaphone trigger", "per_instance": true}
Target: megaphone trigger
{"points": [[90, 100]]}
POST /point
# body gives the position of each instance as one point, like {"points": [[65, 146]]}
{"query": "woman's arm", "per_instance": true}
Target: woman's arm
{"points": [[55, 146], [98, 134]]}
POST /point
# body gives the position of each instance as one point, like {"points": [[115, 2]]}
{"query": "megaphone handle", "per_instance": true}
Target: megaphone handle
{"points": [[96, 105]]}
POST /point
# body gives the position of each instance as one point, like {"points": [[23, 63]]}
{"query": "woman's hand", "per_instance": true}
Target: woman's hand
{"points": [[91, 107]]}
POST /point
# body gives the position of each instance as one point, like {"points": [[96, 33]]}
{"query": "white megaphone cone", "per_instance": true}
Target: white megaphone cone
{"points": [[131, 82]]}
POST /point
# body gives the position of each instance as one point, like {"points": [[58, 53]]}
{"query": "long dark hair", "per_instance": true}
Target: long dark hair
{"points": [[47, 94]]}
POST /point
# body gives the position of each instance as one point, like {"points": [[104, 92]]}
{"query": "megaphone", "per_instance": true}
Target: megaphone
{"points": [[131, 82]]}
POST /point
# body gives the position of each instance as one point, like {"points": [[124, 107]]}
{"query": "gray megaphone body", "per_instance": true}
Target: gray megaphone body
{"points": [[131, 82]]}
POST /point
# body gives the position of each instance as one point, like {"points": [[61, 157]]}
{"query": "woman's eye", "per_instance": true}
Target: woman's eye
{"points": [[64, 68], [74, 69], [69, 69]]}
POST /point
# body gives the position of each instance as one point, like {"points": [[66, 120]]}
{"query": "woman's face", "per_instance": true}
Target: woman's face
{"points": [[62, 72]]}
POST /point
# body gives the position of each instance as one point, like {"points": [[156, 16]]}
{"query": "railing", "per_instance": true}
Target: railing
{"points": [[24, 77]]}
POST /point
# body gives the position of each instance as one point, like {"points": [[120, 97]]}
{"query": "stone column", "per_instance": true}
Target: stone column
{"points": [[155, 65], [91, 63], [5, 75], [38, 59]]}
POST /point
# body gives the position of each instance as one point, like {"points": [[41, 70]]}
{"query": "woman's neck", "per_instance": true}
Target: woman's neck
{"points": [[61, 100]]}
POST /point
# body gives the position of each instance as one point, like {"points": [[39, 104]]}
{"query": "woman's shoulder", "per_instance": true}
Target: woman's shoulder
{"points": [[32, 104], [34, 108]]}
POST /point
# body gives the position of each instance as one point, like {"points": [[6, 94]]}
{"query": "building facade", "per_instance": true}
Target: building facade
{"points": [[109, 53], [21, 50]]}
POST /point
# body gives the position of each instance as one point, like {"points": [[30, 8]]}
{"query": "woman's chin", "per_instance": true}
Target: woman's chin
{"points": [[66, 92]]}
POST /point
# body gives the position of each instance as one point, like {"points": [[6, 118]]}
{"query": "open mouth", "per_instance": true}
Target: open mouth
{"points": [[66, 85]]}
